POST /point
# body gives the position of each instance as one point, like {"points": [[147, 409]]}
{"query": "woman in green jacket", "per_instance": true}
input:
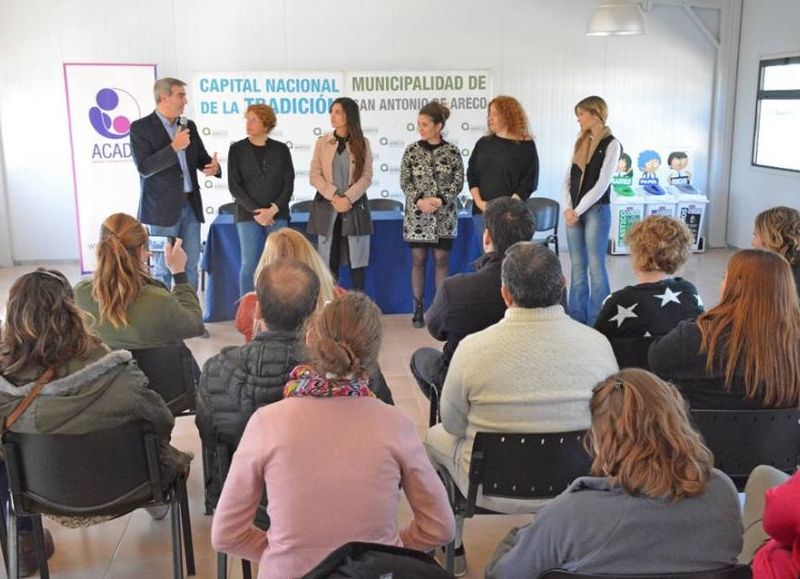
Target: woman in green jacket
{"points": [[128, 308]]}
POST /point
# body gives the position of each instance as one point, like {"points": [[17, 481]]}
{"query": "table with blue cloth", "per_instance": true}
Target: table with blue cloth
{"points": [[388, 277]]}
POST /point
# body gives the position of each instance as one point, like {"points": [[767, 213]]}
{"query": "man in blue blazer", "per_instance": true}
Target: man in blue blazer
{"points": [[168, 152]]}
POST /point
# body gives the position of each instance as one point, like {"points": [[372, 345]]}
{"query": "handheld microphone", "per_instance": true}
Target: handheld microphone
{"points": [[183, 122]]}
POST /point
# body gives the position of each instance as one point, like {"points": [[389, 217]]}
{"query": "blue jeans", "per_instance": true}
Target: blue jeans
{"points": [[251, 244], [479, 223], [188, 229], [588, 240]]}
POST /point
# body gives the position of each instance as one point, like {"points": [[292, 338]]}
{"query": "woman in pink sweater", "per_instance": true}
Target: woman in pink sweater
{"points": [[333, 457]]}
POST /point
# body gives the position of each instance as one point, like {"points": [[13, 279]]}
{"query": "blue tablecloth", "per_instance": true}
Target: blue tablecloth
{"points": [[388, 277]]}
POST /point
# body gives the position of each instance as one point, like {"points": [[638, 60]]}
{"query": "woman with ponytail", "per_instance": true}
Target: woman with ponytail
{"points": [[333, 457], [652, 486], [128, 309]]}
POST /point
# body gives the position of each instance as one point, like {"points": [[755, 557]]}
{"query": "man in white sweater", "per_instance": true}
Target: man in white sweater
{"points": [[531, 372]]}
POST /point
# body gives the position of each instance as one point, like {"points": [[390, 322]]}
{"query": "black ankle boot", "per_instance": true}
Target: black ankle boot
{"points": [[419, 315]]}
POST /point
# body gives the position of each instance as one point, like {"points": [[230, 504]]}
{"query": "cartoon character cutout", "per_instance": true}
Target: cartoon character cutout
{"points": [[678, 175], [624, 172], [649, 161]]}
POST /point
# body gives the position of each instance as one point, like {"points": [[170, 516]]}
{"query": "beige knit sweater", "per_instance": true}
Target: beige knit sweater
{"points": [[533, 371]]}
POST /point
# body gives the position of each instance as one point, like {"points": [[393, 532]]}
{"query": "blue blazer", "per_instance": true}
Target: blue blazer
{"points": [[160, 172]]}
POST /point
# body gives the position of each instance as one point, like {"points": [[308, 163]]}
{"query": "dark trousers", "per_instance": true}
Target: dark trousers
{"points": [[340, 254], [426, 365]]}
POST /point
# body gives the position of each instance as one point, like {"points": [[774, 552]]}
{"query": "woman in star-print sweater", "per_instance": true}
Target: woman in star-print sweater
{"points": [[633, 316]]}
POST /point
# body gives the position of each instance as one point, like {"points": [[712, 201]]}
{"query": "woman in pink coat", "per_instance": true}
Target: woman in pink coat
{"points": [[334, 458]]}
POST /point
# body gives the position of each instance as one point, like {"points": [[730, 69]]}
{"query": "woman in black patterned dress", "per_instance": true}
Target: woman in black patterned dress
{"points": [[431, 176]]}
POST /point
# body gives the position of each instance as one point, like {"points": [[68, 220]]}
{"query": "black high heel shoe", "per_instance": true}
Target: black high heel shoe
{"points": [[418, 320]]}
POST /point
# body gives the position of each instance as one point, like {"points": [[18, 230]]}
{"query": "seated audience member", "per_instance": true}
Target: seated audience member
{"points": [[778, 229], [634, 315], [654, 502], [771, 520], [241, 379], [333, 457], [129, 309], [284, 244], [744, 353], [533, 371], [469, 302], [86, 387]]}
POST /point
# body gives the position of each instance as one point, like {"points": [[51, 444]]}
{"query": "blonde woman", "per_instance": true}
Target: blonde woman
{"points": [[504, 163], [587, 213], [778, 229], [284, 244], [652, 487], [128, 309], [634, 316]]}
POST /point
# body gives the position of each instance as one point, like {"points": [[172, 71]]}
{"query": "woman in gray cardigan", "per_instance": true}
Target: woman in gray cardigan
{"points": [[341, 171], [654, 504]]}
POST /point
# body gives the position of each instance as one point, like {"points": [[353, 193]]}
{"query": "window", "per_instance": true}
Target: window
{"points": [[777, 129]]}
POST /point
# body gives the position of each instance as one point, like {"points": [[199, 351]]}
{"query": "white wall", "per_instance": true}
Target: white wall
{"points": [[769, 28], [658, 86]]}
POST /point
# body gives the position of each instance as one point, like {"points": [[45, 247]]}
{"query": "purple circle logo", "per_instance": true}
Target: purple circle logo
{"points": [[114, 112]]}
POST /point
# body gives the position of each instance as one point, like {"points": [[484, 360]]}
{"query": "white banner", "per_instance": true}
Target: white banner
{"points": [[389, 103], [102, 102], [300, 101]]}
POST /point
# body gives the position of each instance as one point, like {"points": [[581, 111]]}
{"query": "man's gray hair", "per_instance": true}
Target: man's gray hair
{"points": [[163, 86], [532, 274]]}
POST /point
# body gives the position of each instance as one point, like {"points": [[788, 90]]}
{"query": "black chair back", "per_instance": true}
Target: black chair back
{"points": [[107, 472], [743, 439], [104, 472], [301, 207], [731, 572], [227, 209], [357, 559], [525, 466], [384, 205], [172, 372], [546, 213]]}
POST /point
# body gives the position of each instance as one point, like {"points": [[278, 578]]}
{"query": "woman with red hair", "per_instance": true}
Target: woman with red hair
{"points": [[504, 163], [744, 353]]}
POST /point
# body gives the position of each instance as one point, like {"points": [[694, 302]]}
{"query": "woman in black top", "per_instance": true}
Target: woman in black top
{"points": [[586, 209], [505, 162], [744, 353], [261, 180], [431, 176]]}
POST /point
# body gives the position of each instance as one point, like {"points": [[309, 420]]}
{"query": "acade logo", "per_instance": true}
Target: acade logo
{"points": [[111, 119], [108, 100]]}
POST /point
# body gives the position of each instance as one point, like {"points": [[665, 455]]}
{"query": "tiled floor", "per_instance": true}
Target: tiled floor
{"points": [[135, 546]]}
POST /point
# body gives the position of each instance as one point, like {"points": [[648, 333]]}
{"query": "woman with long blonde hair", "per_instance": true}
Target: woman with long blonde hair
{"points": [[744, 353], [778, 229], [503, 163], [284, 244], [587, 214], [652, 486], [128, 308]]}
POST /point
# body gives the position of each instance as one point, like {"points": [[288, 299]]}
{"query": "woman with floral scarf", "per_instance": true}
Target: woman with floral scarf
{"points": [[333, 458]]}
